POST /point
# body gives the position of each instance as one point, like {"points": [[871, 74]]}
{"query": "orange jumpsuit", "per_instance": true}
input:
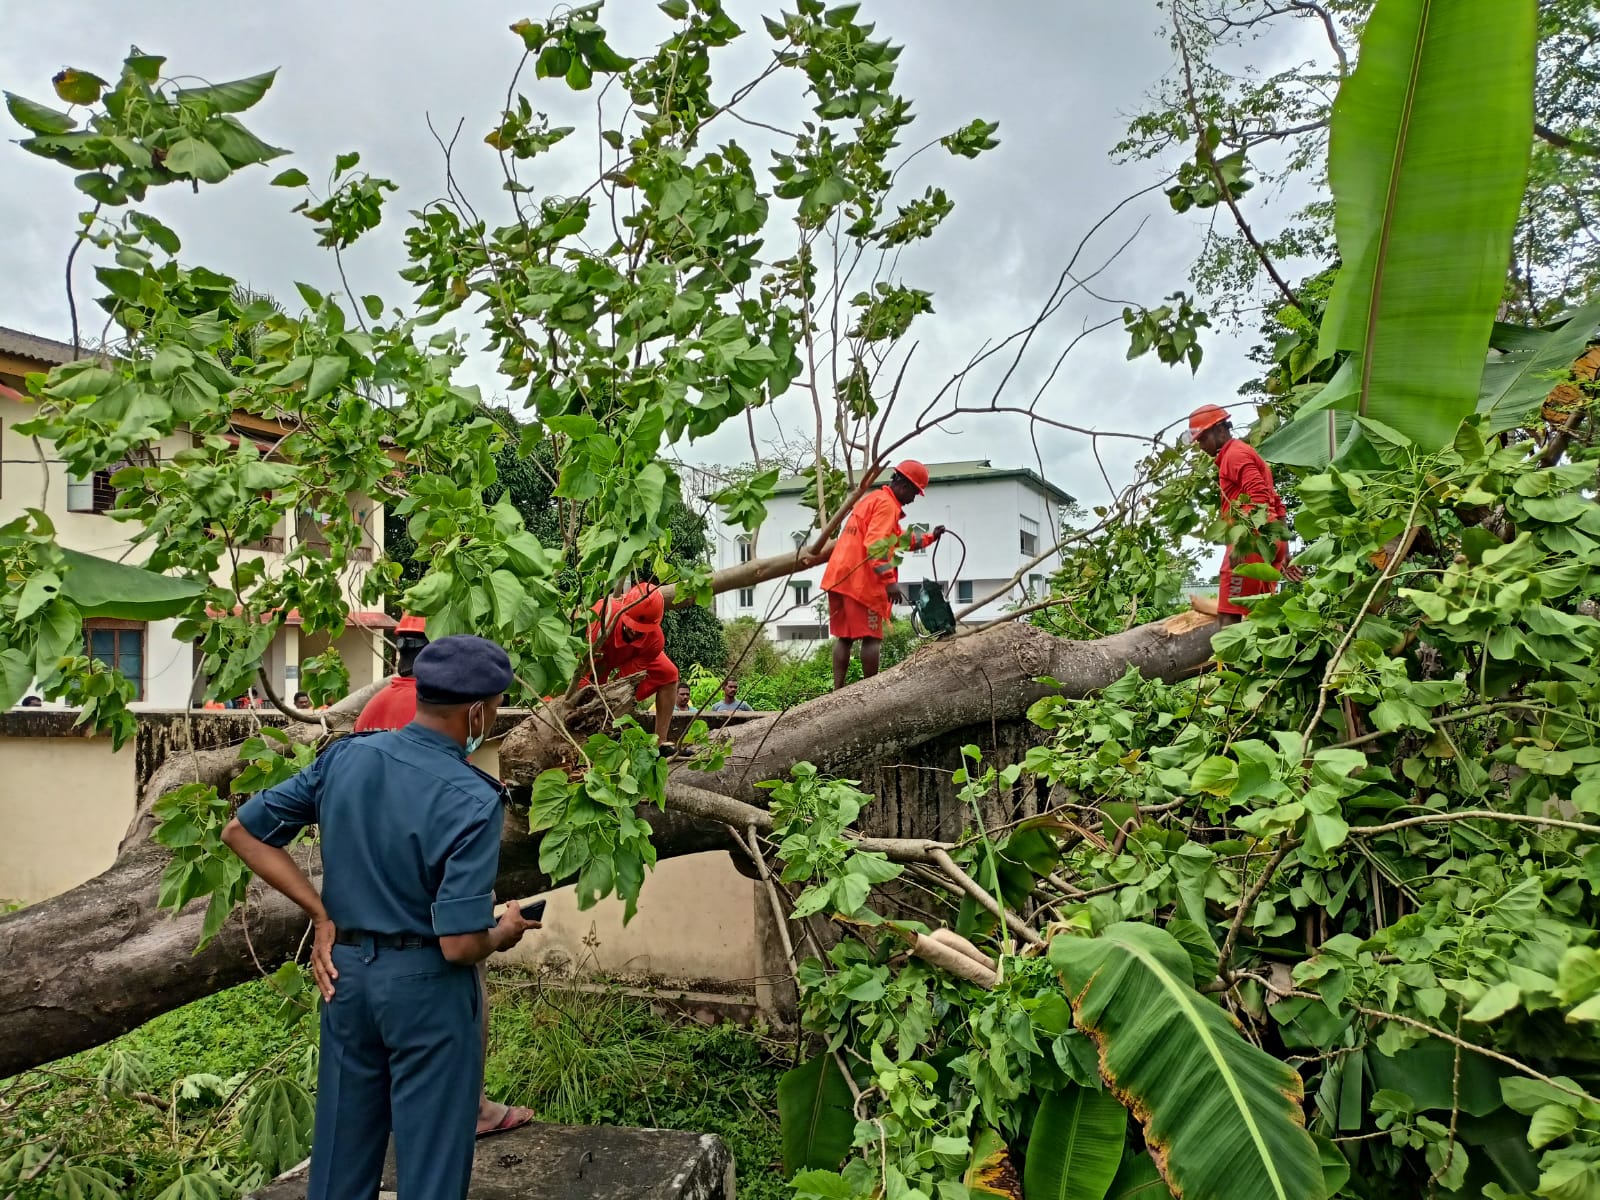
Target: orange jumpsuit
{"points": [[858, 583], [1246, 482]]}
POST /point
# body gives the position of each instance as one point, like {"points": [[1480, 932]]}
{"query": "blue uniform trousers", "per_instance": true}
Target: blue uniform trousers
{"points": [[401, 1050]]}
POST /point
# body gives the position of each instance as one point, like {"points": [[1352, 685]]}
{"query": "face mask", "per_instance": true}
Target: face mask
{"points": [[474, 742]]}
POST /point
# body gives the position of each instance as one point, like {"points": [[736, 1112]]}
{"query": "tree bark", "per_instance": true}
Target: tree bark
{"points": [[102, 959]]}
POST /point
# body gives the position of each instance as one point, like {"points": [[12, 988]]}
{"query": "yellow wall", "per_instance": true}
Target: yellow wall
{"points": [[65, 803]]}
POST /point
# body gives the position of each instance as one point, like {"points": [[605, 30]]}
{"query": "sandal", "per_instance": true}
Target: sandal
{"points": [[515, 1118]]}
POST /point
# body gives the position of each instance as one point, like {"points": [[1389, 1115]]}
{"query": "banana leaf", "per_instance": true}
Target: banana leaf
{"points": [[1428, 157], [1076, 1145], [1221, 1117], [1517, 382], [991, 1171], [1138, 1179], [815, 1115], [1320, 427], [103, 588]]}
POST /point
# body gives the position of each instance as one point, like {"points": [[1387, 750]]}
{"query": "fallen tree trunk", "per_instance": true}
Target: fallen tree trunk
{"points": [[102, 959]]}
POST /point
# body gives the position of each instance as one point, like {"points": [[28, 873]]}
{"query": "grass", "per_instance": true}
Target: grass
{"points": [[576, 1058], [580, 1058]]}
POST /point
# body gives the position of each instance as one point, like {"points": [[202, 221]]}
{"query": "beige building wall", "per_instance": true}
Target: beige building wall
{"points": [[695, 926], [65, 803]]}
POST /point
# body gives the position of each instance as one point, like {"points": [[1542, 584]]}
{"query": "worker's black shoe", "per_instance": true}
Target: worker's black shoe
{"points": [[668, 750]]}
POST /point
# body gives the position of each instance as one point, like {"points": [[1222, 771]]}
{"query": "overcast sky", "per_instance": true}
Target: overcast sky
{"points": [[1060, 78]]}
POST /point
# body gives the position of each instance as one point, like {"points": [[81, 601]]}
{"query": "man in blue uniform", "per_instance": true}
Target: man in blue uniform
{"points": [[410, 849]]}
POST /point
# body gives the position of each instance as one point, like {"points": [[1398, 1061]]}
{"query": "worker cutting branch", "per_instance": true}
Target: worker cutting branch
{"points": [[1247, 486], [862, 580], [625, 638]]}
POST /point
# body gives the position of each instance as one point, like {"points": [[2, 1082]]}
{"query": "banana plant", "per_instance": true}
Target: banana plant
{"points": [[1222, 1117], [1428, 159]]}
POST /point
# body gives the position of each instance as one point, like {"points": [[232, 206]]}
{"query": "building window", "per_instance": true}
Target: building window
{"points": [[918, 529], [747, 548], [92, 495], [1036, 585], [120, 645], [799, 536], [964, 591], [747, 597], [802, 591], [1030, 537]]}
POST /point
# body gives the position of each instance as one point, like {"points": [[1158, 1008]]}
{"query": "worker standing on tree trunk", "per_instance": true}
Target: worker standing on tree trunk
{"points": [[395, 707], [410, 850], [625, 639], [1246, 483], [861, 580]]}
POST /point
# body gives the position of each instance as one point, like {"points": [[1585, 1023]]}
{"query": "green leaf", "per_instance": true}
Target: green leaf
{"points": [[101, 587], [199, 1185], [234, 96], [676, 9], [1223, 1115], [78, 1182], [816, 1114], [1423, 215], [293, 177], [16, 672], [1515, 383], [1076, 1145], [990, 1171], [78, 87], [198, 160], [1216, 775], [1495, 1003], [1550, 1122], [1138, 1179], [326, 372], [276, 1123], [37, 117]]}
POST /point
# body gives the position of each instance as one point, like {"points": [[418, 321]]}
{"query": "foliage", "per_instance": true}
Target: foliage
{"points": [[772, 681], [159, 1104]]}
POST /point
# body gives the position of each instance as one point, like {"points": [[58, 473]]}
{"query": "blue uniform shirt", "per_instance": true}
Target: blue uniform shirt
{"points": [[410, 831]]}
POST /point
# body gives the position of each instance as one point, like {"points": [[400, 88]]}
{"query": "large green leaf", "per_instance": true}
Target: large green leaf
{"points": [[1138, 1179], [1222, 1116], [276, 1123], [1321, 426], [1428, 157], [815, 1111], [1076, 1145], [1517, 382], [103, 588]]}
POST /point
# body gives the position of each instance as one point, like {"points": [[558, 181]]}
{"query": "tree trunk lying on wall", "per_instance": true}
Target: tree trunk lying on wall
{"points": [[102, 959]]}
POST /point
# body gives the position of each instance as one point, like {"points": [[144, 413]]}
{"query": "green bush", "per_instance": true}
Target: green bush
{"points": [[769, 681]]}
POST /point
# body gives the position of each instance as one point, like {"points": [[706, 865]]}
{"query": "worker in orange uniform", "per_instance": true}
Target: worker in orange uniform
{"points": [[395, 707], [1246, 482], [625, 639], [861, 580]]}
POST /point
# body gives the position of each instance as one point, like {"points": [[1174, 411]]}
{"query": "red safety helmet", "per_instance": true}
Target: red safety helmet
{"points": [[915, 473], [1204, 417], [640, 608], [410, 624]]}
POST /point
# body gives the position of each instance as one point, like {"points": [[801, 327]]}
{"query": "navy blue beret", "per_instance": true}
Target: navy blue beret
{"points": [[461, 669]]}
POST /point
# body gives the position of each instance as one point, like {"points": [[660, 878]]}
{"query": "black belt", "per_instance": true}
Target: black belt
{"points": [[385, 941]]}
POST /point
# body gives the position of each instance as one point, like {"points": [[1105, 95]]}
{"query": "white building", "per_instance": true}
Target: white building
{"points": [[164, 670], [1007, 517]]}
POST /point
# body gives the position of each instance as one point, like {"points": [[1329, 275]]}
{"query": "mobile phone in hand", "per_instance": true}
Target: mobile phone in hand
{"points": [[534, 911]]}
